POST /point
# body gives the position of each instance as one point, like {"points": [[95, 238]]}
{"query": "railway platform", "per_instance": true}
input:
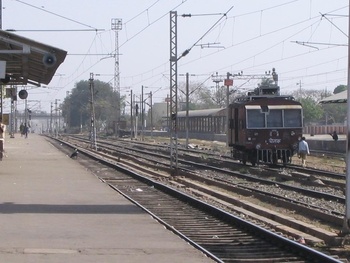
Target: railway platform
{"points": [[54, 210]]}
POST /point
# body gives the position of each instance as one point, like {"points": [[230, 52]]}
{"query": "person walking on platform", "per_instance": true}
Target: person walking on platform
{"points": [[26, 130], [21, 129], [303, 150]]}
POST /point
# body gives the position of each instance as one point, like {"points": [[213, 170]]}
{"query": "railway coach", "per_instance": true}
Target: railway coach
{"points": [[264, 126]]}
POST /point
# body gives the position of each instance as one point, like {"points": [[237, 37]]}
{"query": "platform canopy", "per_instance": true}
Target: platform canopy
{"points": [[28, 61], [341, 97]]}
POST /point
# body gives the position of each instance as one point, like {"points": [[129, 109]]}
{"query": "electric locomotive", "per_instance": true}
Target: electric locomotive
{"points": [[264, 126]]}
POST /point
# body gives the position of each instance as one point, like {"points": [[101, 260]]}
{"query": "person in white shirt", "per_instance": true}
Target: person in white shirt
{"points": [[303, 150]]}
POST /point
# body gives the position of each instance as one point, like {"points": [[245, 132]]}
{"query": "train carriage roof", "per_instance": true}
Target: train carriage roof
{"points": [[202, 113]]}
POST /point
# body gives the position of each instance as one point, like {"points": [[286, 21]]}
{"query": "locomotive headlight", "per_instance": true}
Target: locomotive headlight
{"points": [[292, 133], [258, 146]]}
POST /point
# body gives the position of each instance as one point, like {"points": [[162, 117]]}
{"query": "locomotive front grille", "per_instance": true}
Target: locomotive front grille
{"points": [[273, 156]]}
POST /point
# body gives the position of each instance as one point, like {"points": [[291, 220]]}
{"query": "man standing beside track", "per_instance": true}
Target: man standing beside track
{"points": [[303, 150]]}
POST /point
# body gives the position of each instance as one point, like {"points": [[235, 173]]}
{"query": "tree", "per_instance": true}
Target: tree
{"points": [[339, 88], [76, 108], [313, 111], [201, 97]]}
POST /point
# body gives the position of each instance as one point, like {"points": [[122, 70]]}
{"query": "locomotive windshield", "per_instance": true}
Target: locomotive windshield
{"points": [[277, 116]]}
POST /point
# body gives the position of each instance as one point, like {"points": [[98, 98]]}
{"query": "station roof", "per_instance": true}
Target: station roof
{"points": [[28, 61], [341, 97]]}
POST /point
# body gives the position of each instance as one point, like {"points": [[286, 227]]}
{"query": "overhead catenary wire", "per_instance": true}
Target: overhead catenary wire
{"points": [[213, 26], [149, 24], [161, 68], [254, 38], [55, 14]]}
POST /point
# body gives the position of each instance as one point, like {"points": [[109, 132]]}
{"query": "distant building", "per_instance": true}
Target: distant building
{"points": [[159, 112]]}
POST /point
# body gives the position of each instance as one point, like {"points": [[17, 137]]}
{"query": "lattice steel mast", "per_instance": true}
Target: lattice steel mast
{"points": [[173, 92], [116, 25], [92, 114]]}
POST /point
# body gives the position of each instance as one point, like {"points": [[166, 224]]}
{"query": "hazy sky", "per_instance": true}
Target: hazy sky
{"points": [[305, 40]]}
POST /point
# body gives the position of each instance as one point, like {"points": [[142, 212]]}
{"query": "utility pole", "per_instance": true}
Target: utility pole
{"points": [[173, 92], [136, 117], [142, 117], [56, 119], [116, 25], [217, 79], [68, 112], [228, 82], [0, 14], [150, 94], [167, 112], [131, 117], [92, 110], [13, 110], [59, 117], [26, 114], [187, 108], [51, 119], [299, 83], [346, 224]]}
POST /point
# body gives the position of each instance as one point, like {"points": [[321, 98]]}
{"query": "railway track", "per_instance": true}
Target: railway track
{"points": [[315, 178], [319, 221], [222, 236], [311, 197]]}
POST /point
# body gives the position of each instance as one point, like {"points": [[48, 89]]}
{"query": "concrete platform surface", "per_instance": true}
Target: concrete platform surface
{"points": [[53, 210]]}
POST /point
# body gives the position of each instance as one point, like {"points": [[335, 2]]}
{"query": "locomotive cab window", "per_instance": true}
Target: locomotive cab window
{"points": [[255, 118], [274, 118], [292, 118]]}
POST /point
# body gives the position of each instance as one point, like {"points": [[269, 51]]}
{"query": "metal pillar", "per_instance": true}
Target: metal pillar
{"points": [[12, 119], [0, 14], [68, 111], [228, 83], [187, 107], [56, 119], [92, 110], [173, 92], [142, 116], [1, 101], [346, 224], [151, 112], [50, 130], [136, 117], [131, 117], [26, 115], [116, 25]]}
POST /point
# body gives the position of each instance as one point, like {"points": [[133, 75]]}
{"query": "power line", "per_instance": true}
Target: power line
{"points": [[52, 13], [188, 50], [52, 30], [149, 24], [324, 16], [146, 10]]}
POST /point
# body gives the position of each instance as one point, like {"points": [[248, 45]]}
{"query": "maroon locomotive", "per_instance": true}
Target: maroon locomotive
{"points": [[264, 126]]}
